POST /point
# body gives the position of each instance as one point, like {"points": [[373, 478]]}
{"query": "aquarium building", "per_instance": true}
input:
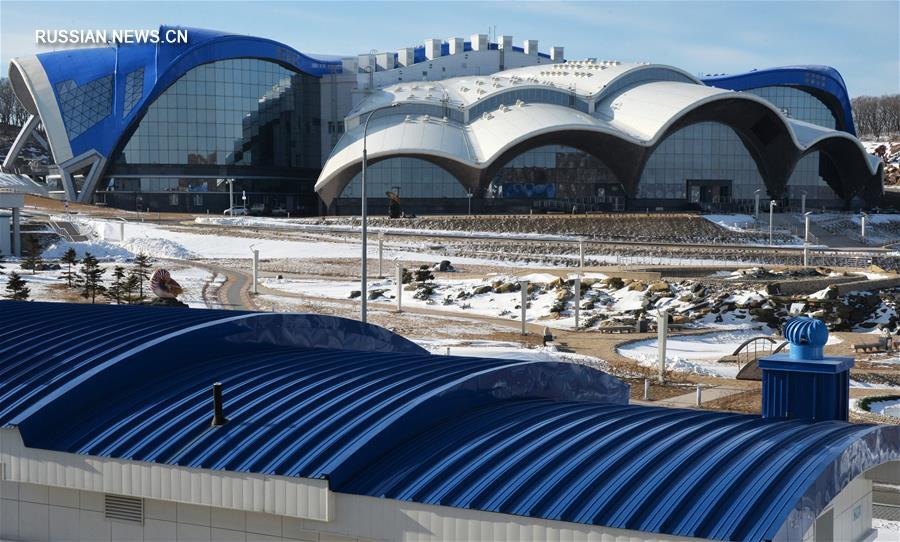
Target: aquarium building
{"points": [[175, 126]]}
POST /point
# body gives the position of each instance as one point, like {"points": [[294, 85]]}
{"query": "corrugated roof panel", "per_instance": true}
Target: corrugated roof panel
{"points": [[548, 440]]}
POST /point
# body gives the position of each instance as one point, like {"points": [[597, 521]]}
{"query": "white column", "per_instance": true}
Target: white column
{"points": [[255, 290], [577, 299], [380, 254], [862, 226], [400, 272], [803, 203], [523, 284], [805, 254], [662, 325], [806, 228], [646, 389], [699, 395], [581, 255], [17, 233]]}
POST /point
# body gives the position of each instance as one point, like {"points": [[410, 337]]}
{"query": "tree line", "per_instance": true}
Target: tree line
{"points": [[877, 116], [11, 111], [125, 287]]}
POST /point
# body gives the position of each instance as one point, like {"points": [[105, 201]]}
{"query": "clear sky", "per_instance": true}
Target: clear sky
{"points": [[859, 38]]}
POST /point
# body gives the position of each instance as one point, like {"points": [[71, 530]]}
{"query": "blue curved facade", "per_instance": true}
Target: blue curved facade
{"points": [[127, 119], [162, 65], [322, 397], [823, 82]]}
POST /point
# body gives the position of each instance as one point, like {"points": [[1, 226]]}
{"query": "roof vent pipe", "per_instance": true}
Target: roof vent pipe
{"points": [[219, 418], [806, 385]]}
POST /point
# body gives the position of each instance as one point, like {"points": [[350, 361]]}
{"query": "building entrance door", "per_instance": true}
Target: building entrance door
{"points": [[709, 193]]}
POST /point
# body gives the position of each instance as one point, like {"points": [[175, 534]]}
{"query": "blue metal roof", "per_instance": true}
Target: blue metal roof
{"points": [[163, 64], [538, 439], [822, 81], [47, 349]]}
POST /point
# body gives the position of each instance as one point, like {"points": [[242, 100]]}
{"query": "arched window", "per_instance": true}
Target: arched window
{"points": [[414, 177]]}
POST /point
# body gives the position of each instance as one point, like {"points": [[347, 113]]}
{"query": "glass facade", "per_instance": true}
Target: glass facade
{"points": [[243, 112], [554, 172], [797, 104], [83, 106], [415, 178], [707, 164]]}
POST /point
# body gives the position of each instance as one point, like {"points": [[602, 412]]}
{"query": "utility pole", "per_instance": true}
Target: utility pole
{"points": [[255, 290], [523, 284], [662, 326], [577, 298]]}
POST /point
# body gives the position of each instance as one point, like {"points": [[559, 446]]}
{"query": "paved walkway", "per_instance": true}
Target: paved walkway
{"points": [[689, 400]]}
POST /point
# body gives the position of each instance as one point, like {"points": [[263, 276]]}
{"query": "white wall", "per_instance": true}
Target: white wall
{"points": [[32, 513], [851, 515]]}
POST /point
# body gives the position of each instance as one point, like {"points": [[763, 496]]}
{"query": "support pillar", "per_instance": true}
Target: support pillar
{"points": [[662, 326], [19, 143], [523, 285], [400, 272], [68, 185], [17, 233], [255, 290]]}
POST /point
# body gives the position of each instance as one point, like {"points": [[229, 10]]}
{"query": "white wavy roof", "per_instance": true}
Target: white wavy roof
{"points": [[640, 115], [585, 78]]}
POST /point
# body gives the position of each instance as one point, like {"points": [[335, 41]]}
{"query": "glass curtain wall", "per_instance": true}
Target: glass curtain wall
{"points": [[240, 113]]}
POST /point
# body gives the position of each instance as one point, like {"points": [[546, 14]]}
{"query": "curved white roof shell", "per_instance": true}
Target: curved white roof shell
{"points": [[630, 107]]}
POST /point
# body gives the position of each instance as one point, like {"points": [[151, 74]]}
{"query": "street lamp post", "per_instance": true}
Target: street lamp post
{"points": [[806, 226], [862, 226], [771, 211], [756, 196], [244, 197], [230, 196], [365, 217], [803, 202]]}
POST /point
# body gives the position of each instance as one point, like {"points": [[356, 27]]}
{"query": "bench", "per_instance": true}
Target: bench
{"points": [[883, 344], [616, 329]]}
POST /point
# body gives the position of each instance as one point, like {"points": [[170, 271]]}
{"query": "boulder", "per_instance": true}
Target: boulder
{"points": [[443, 267], [375, 294], [614, 283], [660, 286]]}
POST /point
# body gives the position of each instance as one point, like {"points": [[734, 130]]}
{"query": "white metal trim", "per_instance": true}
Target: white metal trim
{"points": [[44, 97]]}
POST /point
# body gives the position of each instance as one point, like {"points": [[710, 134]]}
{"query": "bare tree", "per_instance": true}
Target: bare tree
{"points": [[876, 116]]}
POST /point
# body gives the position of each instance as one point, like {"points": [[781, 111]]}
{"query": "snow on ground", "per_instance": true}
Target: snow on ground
{"points": [[886, 408], [871, 386], [447, 292], [882, 408], [39, 283], [162, 242], [888, 531], [694, 354], [191, 280], [732, 222]]}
